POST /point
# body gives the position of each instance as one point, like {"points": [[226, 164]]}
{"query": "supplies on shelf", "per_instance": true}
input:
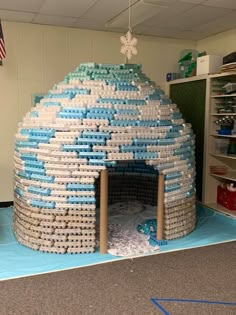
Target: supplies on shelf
{"points": [[230, 58], [232, 147], [187, 63], [229, 67], [220, 155], [226, 196], [218, 169], [226, 124], [221, 145], [230, 87]]}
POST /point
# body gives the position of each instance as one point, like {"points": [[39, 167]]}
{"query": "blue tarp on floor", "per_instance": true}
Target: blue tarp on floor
{"points": [[17, 260]]}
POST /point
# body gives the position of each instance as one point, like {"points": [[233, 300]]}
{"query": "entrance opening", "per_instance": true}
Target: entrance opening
{"points": [[132, 189], [130, 181]]}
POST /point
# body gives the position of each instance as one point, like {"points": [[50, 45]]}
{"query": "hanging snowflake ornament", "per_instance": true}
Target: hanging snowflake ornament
{"points": [[128, 45]]}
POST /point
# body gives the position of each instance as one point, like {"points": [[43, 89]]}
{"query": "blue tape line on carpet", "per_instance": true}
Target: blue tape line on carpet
{"points": [[156, 301]]}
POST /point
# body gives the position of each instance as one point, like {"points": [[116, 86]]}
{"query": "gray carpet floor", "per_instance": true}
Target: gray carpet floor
{"points": [[126, 287]]}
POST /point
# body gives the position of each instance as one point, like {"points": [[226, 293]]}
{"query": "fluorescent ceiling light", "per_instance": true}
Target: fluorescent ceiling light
{"points": [[140, 11]]}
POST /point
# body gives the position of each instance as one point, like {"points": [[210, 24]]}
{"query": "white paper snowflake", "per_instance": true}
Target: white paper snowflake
{"points": [[128, 45]]}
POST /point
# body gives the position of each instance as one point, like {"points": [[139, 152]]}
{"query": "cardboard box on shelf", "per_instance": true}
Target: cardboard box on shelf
{"points": [[208, 64]]}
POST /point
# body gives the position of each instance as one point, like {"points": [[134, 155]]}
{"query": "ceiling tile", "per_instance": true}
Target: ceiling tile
{"points": [[193, 1], [105, 10], [162, 18], [229, 4], [196, 16], [192, 35], [222, 24], [187, 19], [54, 20], [140, 12], [161, 2], [21, 5], [91, 24], [16, 16], [72, 8], [154, 31]]}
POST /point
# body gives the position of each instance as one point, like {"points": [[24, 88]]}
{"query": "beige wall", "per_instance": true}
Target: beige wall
{"points": [[220, 44], [39, 56]]}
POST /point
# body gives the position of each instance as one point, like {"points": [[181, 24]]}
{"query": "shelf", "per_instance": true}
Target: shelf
{"points": [[222, 75], [223, 136], [223, 114], [219, 104], [224, 156], [231, 175], [219, 208], [224, 95], [190, 79]]}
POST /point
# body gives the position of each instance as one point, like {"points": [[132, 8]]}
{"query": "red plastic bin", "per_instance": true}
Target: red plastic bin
{"points": [[226, 198]]}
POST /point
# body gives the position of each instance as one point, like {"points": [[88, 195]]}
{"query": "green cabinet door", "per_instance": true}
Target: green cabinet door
{"points": [[190, 98]]}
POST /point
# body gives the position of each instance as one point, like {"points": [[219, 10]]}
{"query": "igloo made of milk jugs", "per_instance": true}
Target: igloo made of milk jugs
{"points": [[100, 116]]}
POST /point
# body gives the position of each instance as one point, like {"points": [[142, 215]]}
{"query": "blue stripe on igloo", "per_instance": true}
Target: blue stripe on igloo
{"points": [[39, 191], [23, 175], [73, 110], [94, 155], [173, 175], [96, 162], [82, 200], [102, 110], [82, 91], [99, 115], [172, 187], [19, 191], [144, 141], [34, 114], [39, 139], [43, 178], [132, 112], [135, 102], [28, 156], [80, 187], [38, 131], [35, 170], [123, 123], [76, 147], [26, 144], [167, 141], [71, 115], [51, 103], [133, 148], [34, 163], [145, 155]]}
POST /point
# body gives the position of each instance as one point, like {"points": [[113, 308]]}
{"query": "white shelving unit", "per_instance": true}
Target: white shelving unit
{"points": [[214, 95], [216, 151]]}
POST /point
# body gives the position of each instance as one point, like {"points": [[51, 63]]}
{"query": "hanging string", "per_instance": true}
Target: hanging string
{"points": [[129, 15]]}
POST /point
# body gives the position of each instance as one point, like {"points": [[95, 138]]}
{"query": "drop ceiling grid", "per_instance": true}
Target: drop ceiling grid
{"points": [[189, 19]]}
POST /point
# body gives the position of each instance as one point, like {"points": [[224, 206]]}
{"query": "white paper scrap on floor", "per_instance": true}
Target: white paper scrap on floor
{"points": [[124, 239]]}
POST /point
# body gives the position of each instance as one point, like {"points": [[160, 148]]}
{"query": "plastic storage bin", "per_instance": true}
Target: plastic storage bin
{"points": [[221, 146], [226, 198]]}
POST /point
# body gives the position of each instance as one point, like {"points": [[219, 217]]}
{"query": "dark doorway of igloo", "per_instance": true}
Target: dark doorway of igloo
{"points": [[132, 203]]}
